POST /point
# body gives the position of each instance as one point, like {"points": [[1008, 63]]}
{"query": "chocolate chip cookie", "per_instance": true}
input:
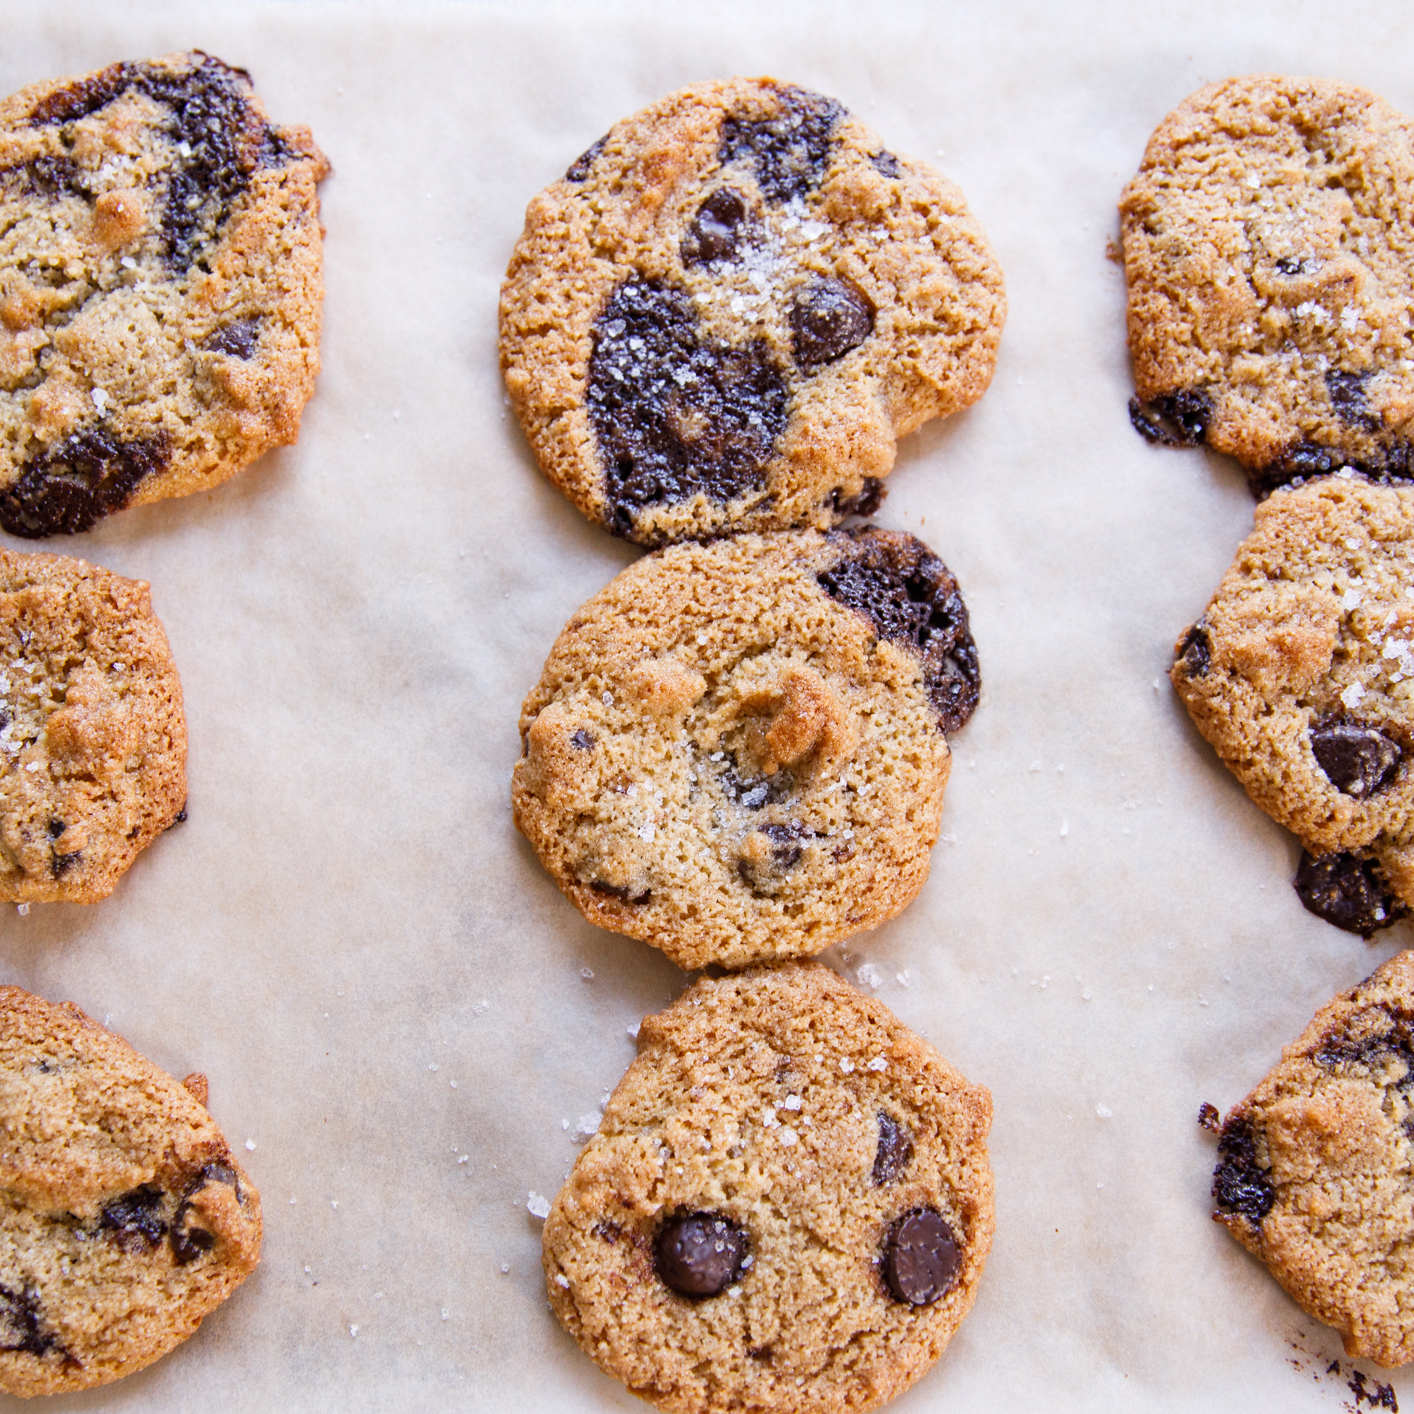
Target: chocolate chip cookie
{"points": [[1271, 296], [1314, 1170], [737, 750], [730, 308], [1301, 674], [160, 286], [787, 1205], [124, 1218], [93, 742]]}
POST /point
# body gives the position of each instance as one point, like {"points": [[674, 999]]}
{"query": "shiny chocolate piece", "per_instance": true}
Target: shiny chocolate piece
{"points": [[1177, 419], [700, 1254], [921, 1257], [1240, 1185], [71, 487], [828, 319], [1358, 759], [236, 338], [716, 229], [894, 1150], [789, 151], [1347, 891]]}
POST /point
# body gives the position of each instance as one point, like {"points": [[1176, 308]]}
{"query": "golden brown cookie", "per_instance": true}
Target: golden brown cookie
{"points": [[733, 305], [1314, 1172], [787, 1205], [736, 751], [124, 1219], [160, 285], [93, 743], [1271, 295]]}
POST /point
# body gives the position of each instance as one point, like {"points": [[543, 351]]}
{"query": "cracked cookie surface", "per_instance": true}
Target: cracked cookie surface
{"points": [[787, 1204], [1271, 296], [160, 288], [1314, 1166], [736, 750], [1301, 675], [93, 742], [124, 1218], [731, 307]]}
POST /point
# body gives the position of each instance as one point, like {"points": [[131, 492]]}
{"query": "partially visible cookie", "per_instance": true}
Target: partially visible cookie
{"points": [[787, 1205], [1301, 675], [1316, 1166], [1271, 295], [736, 751], [93, 742], [733, 305], [160, 287], [124, 1217]]}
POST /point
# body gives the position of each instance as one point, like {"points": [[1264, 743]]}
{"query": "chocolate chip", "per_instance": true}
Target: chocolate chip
{"points": [[789, 151], [716, 228], [189, 1243], [1388, 465], [828, 319], [1195, 651], [868, 500], [1347, 392], [1290, 265], [50, 177], [885, 164], [1358, 759], [1240, 1185], [785, 847], [908, 594], [581, 740], [134, 1219], [1208, 1117], [220, 140], [55, 828], [894, 1150], [76, 483], [921, 1257], [676, 415], [785, 852], [21, 1328], [579, 168], [619, 891], [1347, 891], [236, 338], [180, 818], [1178, 419], [700, 1254]]}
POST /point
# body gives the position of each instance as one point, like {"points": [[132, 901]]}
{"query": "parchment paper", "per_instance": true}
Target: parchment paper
{"points": [[392, 1000]]}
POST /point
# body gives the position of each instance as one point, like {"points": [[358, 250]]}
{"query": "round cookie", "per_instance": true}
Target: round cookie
{"points": [[1271, 295], [124, 1218], [1315, 1166], [736, 750], [730, 308], [93, 742], [160, 284], [787, 1205]]}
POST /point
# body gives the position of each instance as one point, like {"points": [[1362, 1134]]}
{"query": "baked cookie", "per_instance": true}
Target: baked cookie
{"points": [[1301, 674], [93, 743], [787, 1205], [736, 751], [731, 307], [160, 285], [1316, 1166], [1271, 294], [124, 1218]]}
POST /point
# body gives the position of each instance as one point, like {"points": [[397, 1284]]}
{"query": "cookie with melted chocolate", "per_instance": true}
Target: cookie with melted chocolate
{"points": [[787, 1205], [159, 292], [737, 751], [731, 307], [124, 1217]]}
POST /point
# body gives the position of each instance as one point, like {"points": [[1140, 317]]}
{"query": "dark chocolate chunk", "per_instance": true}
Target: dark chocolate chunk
{"points": [[189, 1241], [785, 844], [1347, 891], [828, 319], [60, 864], [1195, 651], [700, 1254], [716, 228], [134, 1219], [55, 828], [579, 168], [789, 151], [1290, 265], [894, 1151], [908, 594], [1208, 1117], [50, 177], [1388, 465], [1174, 420], [885, 163], [581, 740], [619, 891], [75, 484], [865, 503], [1240, 1185], [786, 850], [1347, 392], [21, 1327], [180, 818], [921, 1257], [220, 139], [236, 338], [675, 415], [1358, 759], [1370, 1391], [1373, 1050]]}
